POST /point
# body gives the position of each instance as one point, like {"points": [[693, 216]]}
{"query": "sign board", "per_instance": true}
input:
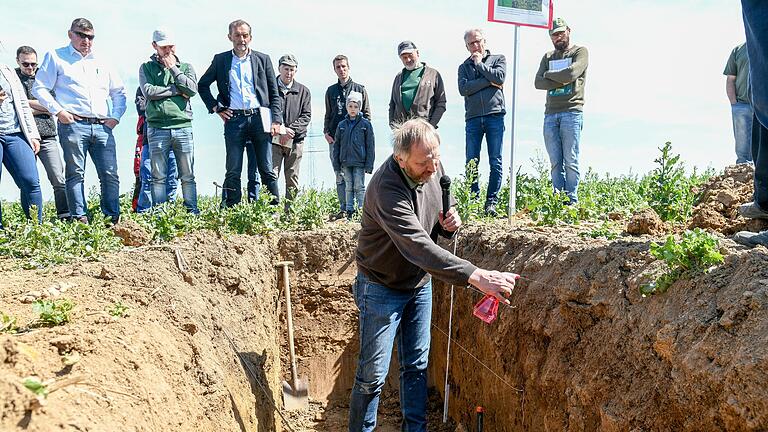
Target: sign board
{"points": [[531, 13]]}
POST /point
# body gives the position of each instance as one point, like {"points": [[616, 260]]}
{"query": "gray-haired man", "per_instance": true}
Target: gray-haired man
{"points": [[418, 90]]}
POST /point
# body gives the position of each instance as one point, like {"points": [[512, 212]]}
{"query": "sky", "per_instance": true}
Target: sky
{"points": [[654, 75]]}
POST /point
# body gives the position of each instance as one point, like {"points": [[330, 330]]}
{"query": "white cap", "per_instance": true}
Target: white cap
{"points": [[162, 37]]}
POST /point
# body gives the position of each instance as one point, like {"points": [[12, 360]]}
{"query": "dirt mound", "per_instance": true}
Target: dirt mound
{"points": [[717, 207], [645, 221]]}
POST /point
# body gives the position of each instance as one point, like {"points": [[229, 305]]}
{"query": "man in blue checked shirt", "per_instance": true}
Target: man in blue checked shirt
{"points": [[77, 87]]}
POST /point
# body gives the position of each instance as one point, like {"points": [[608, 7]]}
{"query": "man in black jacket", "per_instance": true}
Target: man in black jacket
{"points": [[336, 110], [287, 147], [247, 92]]}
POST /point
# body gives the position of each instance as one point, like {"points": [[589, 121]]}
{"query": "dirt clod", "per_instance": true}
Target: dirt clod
{"points": [[645, 221]]}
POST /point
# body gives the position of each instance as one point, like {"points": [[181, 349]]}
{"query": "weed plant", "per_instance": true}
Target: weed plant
{"points": [[7, 323], [118, 310], [694, 254], [51, 313]]}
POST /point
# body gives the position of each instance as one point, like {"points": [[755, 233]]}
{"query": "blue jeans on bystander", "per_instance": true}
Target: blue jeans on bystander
{"points": [[145, 174], [386, 316], [562, 133], [354, 181], [163, 142], [19, 159], [742, 114], [492, 126]]}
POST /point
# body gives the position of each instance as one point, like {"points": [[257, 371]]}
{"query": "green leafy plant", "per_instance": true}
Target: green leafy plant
{"points": [[310, 209], [118, 310], [467, 203], [667, 188], [33, 384], [51, 313], [606, 230], [7, 324], [694, 254]]}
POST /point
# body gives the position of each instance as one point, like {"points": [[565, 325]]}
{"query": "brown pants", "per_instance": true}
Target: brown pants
{"points": [[290, 158]]}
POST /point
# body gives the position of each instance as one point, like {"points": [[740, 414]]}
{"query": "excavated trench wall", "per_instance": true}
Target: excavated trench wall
{"points": [[579, 349]]}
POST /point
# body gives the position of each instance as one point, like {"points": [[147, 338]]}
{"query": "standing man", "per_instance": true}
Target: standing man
{"points": [[168, 84], [335, 111], [563, 73], [49, 154], [755, 14], [75, 85], [247, 92], [287, 147], [418, 90], [481, 81], [396, 256], [737, 88]]}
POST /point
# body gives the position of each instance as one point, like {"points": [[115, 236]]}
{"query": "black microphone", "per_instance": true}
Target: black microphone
{"points": [[445, 184]]}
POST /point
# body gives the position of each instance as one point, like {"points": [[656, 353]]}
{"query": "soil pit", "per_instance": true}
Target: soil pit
{"points": [[578, 349]]}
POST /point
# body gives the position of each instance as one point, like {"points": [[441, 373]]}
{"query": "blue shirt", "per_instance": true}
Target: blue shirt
{"points": [[242, 91], [9, 121], [84, 86]]}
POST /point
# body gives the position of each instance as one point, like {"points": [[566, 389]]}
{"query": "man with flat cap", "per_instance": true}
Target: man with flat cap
{"points": [[418, 90]]}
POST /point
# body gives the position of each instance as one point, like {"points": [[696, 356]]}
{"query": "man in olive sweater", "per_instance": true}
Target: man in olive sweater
{"points": [[562, 73], [396, 255], [418, 90], [167, 84]]}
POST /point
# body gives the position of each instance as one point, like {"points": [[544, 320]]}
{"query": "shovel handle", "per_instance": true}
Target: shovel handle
{"points": [[289, 318]]}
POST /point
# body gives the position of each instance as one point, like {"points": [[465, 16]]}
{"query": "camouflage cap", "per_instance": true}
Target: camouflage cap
{"points": [[558, 25]]}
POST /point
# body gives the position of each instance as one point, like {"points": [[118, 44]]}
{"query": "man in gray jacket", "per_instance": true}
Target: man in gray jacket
{"points": [[481, 81], [418, 90], [287, 147]]}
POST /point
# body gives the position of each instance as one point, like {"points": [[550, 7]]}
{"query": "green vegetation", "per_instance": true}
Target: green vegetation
{"points": [[7, 324], [51, 313], [118, 310], [33, 384], [607, 230], [532, 5], [694, 254]]}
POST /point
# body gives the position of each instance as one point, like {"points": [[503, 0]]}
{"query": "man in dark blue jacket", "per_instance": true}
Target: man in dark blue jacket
{"points": [[481, 82], [247, 91]]}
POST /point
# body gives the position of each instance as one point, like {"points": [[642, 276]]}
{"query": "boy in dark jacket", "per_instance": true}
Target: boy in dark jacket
{"points": [[354, 150]]}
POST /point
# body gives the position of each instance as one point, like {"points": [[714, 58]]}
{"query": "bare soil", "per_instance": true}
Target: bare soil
{"points": [[578, 349]]}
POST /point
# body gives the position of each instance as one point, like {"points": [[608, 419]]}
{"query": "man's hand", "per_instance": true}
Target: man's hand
{"points": [[65, 117], [290, 132], [3, 96], [498, 86], [35, 145], [477, 57], [168, 61], [452, 222], [275, 131], [225, 114], [499, 284], [329, 138], [111, 123]]}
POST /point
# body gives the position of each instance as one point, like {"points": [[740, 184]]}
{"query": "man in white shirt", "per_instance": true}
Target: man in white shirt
{"points": [[82, 85]]}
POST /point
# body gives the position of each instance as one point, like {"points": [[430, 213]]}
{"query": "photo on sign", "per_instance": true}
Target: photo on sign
{"points": [[531, 5]]}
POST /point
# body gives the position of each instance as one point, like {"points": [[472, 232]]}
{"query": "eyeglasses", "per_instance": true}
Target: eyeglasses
{"points": [[25, 64], [82, 35]]}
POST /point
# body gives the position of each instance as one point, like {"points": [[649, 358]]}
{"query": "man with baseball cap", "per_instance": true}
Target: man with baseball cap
{"points": [[287, 147], [418, 90], [168, 84], [563, 73]]}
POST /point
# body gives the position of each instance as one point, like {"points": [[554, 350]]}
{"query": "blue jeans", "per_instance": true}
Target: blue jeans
{"points": [[492, 126], [742, 114], [387, 315], [341, 190], [79, 139], [562, 132], [254, 185], [237, 131], [145, 174], [179, 141], [755, 13], [354, 180], [19, 160]]}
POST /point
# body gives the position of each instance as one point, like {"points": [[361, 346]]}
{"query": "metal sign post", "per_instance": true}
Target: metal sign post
{"points": [[512, 176]]}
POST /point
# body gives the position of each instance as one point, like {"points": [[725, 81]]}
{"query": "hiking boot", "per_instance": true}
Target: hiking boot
{"points": [[751, 239], [490, 211], [340, 215], [752, 211]]}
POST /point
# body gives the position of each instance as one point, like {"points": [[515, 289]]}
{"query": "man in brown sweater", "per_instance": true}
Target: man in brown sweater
{"points": [[418, 90], [396, 255]]}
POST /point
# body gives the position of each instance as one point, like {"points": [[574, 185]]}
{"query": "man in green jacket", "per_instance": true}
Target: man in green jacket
{"points": [[418, 90], [562, 73], [167, 84]]}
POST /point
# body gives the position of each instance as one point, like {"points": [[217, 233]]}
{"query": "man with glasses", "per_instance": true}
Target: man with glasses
{"points": [[481, 82], [247, 91], [88, 99], [49, 155]]}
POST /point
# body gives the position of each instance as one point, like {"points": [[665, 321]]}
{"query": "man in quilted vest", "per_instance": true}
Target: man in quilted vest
{"points": [[167, 84]]}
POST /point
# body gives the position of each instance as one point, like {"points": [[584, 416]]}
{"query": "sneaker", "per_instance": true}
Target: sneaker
{"points": [[751, 239], [350, 215], [81, 219], [340, 215], [752, 211], [490, 211]]}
